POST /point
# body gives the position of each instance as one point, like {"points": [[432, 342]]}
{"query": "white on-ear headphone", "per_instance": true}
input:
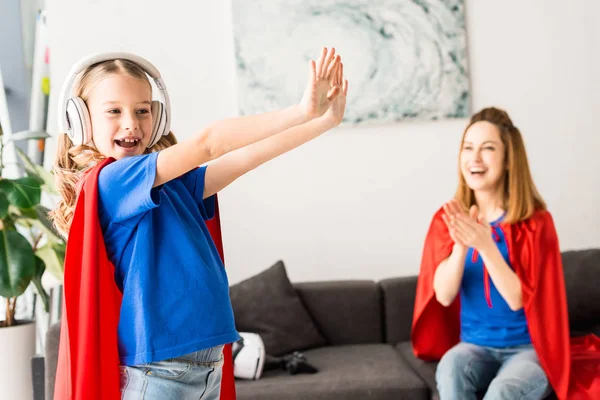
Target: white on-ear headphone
{"points": [[73, 114]]}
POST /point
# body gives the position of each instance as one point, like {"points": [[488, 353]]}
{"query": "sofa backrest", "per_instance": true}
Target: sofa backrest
{"points": [[582, 281], [345, 312], [398, 302]]}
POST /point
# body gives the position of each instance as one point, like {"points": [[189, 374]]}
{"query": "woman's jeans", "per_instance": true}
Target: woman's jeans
{"points": [[194, 376], [508, 373]]}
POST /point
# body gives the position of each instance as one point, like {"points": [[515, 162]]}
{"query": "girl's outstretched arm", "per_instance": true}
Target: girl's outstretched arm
{"points": [[223, 171], [230, 134]]}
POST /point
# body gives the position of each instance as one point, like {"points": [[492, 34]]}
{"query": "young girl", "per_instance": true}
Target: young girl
{"points": [[152, 203], [494, 247]]}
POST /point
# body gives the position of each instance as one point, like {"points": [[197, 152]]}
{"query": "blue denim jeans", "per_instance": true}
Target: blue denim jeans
{"points": [[508, 373], [194, 376]]}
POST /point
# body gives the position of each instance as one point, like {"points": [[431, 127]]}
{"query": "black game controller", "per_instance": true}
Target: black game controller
{"points": [[295, 363]]}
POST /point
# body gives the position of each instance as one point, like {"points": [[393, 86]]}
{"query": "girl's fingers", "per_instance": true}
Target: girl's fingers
{"points": [[312, 73], [321, 60], [455, 236], [326, 62], [332, 69], [345, 88], [460, 225], [461, 238], [451, 209], [446, 221], [333, 92], [467, 224], [340, 74], [456, 209], [451, 229], [459, 209], [448, 225]]}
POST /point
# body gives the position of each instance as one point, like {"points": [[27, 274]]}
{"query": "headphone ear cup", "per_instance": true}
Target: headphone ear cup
{"points": [[79, 122], [159, 119]]}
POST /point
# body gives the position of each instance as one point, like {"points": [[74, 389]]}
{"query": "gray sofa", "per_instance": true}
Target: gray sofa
{"points": [[362, 322], [367, 328]]}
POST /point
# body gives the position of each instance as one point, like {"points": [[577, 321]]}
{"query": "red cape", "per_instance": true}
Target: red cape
{"points": [[88, 359], [572, 365]]}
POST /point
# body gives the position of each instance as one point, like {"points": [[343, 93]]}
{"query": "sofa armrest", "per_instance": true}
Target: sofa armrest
{"points": [[425, 369], [51, 359], [398, 303], [37, 375]]}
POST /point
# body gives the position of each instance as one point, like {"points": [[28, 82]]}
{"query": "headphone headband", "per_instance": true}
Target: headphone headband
{"points": [[95, 58]]}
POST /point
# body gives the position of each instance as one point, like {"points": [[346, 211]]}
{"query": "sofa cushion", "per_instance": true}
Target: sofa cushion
{"points": [[345, 312], [425, 369], [581, 268], [267, 304], [373, 371]]}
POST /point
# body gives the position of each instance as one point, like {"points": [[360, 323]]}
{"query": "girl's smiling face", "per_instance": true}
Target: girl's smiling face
{"points": [[482, 157], [121, 118]]}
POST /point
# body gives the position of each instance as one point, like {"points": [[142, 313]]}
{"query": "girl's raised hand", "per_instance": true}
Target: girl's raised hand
{"points": [[335, 112], [321, 89], [452, 210], [472, 231]]}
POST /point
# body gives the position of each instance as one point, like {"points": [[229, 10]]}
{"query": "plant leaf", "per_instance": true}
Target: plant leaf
{"points": [[40, 267], [17, 263], [53, 255], [22, 192], [46, 177], [50, 234], [42, 216], [3, 205]]}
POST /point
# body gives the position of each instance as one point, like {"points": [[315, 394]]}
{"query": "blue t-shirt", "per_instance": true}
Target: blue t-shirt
{"points": [[496, 326], [175, 289]]}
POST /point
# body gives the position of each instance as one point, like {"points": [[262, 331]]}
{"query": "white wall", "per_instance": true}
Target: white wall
{"points": [[356, 203]]}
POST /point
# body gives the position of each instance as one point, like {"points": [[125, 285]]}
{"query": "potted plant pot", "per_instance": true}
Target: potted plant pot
{"points": [[17, 347]]}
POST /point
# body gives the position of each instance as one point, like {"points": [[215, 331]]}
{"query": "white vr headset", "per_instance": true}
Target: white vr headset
{"points": [[74, 117], [248, 356]]}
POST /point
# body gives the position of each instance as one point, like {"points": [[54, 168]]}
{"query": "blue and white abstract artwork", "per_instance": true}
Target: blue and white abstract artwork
{"points": [[405, 59]]}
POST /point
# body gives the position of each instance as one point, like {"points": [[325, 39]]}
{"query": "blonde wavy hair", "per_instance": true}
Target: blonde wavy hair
{"points": [[521, 197], [72, 162]]}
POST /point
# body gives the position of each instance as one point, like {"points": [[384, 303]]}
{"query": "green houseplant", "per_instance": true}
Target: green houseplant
{"points": [[29, 245]]}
